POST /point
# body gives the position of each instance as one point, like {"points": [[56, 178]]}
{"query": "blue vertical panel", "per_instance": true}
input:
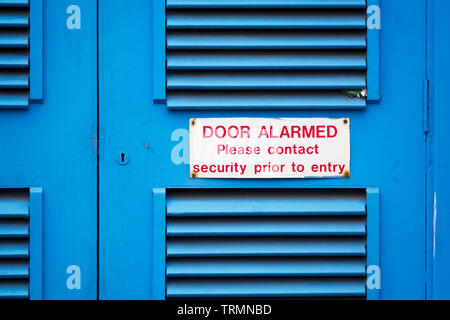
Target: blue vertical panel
{"points": [[439, 213], [399, 163], [373, 53], [159, 51], [126, 103], [36, 51], [36, 244], [54, 146], [373, 236], [159, 245]]}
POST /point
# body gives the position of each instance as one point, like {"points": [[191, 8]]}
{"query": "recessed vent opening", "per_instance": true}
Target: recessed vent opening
{"points": [[14, 244], [267, 55], [14, 54], [266, 244]]}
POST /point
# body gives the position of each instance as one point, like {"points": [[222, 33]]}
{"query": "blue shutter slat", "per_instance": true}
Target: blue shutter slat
{"points": [[13, 20], [266, 3], [268, 20], [263, 80], [14, 53], [13, 41], [271, 287], [247, 206], [13, 81], [261, 100], [14, 269], [254, 246], [14, 249], [14, 229], [14, 61], [13, 208], [14, 289], [266, 241], [14, 3], [266, 267], [266, 226], [267, 60], [11, 100], [321, 39]]}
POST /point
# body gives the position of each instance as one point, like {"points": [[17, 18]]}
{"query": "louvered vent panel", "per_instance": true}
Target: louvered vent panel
{"points": [[14, 53], [300, 244], [276, 54], [14, 244]]}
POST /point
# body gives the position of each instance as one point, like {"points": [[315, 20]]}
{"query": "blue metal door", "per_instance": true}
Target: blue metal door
{"points": [[48, 162], [152, 80]]}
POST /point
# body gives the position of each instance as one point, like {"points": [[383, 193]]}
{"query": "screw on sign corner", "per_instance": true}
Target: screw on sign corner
{"points": [[346, 121], [193, 122], [194, 175], [346, 174]]}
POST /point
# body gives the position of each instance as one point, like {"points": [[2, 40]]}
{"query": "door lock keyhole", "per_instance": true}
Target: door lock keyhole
{"points": [[123, 159]]}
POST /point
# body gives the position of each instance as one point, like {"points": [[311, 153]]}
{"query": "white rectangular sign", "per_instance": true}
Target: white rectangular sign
{"points": [[269, 148]]}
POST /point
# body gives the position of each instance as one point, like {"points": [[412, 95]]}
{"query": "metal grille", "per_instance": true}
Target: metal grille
{"points": [[14, 244], [299, 244], [14, 53], [266, 54]]}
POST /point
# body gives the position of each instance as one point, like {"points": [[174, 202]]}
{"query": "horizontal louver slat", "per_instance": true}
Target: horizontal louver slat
{"points": [[14, 249], [14, 269], [14, 289], [264, 61], [266, 226], [265, 40], [18, 100], [266, 3], [14, 3], [14, 80], [266, 20], [14, 53], [13, 208], [283, 246], [262, 80], [265, 267], [13, 229], [13, 41], [266, 287], [13, 20], [13, 61], [242, 205], [262, 100]]}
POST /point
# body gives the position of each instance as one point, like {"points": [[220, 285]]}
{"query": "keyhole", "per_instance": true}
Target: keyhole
{"points": [[123, 159]]}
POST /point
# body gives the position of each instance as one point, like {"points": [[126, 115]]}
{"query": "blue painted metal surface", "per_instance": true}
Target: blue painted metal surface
{"points": [[53, 145], [399, 145], [388, 142], [438, 204]]}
